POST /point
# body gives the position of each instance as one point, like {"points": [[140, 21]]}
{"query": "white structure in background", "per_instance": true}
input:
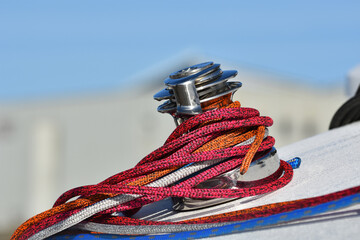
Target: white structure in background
{"points": [[45, 154], [51, 145]]}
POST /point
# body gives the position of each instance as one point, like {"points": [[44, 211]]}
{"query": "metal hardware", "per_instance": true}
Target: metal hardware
{"points": [[185, 91], [259, 169], [189, 87]]}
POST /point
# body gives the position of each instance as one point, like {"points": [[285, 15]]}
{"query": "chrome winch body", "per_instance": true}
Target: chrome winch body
{"points": [[186, 90]]}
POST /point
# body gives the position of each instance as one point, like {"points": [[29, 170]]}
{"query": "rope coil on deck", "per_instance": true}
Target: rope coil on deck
{"points": [[206, 141], [202, 147]]}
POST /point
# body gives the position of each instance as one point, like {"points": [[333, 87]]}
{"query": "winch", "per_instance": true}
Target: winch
{"points": [[191, 91], [218, 152]]}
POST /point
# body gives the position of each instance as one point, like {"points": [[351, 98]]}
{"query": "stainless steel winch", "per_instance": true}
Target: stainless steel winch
{"points": [[186, 90]]}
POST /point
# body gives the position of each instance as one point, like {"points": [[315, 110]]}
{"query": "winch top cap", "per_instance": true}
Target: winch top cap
{"points": [[190, 73]]}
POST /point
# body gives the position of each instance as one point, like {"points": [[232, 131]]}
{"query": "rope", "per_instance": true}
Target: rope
{"points": [[202, 147], [234, 227], [114, 226]]}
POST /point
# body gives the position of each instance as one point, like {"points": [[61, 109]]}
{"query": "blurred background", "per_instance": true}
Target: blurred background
{"points": [[77, 80]]}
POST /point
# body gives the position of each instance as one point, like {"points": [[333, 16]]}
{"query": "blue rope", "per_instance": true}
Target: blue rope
{"points": [[233, 227], [294, 162]]}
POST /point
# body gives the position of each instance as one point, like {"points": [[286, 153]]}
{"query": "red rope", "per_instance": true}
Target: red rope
{"points": [[179, 150]]}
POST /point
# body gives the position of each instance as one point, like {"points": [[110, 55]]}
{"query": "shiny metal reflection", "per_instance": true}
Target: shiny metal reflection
{"points": [[259, 169], [191, 86]]}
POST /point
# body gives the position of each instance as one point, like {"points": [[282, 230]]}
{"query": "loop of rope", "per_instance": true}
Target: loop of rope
{"points": [[210, 142]]}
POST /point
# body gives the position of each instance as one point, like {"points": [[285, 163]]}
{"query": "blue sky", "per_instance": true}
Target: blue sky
{"points": [[61, 47]]}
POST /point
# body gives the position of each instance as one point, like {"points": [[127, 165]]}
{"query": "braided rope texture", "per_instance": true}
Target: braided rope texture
{"points": [[234, 227], [210, 139]]}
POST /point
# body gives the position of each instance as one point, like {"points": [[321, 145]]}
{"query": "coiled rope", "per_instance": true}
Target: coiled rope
{"points": [[201, 148]]}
